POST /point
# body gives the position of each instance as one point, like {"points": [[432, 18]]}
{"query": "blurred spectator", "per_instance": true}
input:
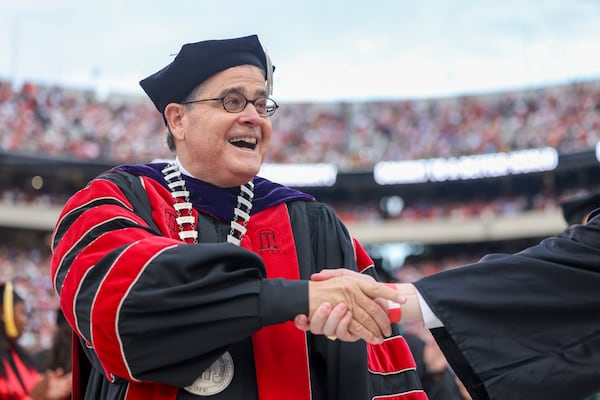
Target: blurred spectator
{"points": [[19, 378], [463, 390], [439, 382], [58, 356], [578, 209]]}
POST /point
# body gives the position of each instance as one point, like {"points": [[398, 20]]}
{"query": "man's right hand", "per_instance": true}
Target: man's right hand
{"points": [[349, 305]]}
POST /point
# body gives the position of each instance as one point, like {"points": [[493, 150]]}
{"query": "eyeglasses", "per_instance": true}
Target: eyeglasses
{"points": [[236, 103]]}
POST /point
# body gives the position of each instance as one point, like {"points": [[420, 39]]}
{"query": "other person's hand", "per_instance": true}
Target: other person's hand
{"points": [[349, 306]]}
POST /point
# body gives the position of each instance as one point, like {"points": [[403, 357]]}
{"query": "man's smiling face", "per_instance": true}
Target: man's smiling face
{"points": [[214, 145]]}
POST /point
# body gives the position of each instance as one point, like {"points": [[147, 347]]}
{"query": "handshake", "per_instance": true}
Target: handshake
{"points": [[349, 306]]}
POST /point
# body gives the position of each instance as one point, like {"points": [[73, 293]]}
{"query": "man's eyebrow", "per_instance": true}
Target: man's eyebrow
{"points": [[242, 91]]}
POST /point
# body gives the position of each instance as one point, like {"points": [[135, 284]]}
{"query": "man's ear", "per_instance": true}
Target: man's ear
{"points": [[174, 117]]}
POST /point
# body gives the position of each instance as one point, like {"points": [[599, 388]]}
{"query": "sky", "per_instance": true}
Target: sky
{"points": [[323, 50]]}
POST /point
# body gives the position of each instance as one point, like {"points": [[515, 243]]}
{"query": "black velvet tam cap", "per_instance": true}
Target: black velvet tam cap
{"points": [[576, 209], [198, 61]]}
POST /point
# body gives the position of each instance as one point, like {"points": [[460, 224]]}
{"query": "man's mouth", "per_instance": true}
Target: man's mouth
{"points": [[245, 142]]}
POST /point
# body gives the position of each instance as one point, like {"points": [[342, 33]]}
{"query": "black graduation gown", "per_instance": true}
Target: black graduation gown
{"points": [[164, 311], [524, 326]]}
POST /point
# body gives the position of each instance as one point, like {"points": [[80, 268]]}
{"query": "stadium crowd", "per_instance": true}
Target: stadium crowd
{"points": [[61, 122]]}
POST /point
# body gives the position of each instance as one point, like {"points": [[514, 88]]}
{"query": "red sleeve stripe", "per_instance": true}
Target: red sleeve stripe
{"points": [[391, 357], [73, 218], [69, 300], [68, 306], [150, 391], [88, 219], [412, 395], [113, 290], [75, 239], [70, 229], [363, 259], [85, 261], [66, 220], [87, 196]]}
